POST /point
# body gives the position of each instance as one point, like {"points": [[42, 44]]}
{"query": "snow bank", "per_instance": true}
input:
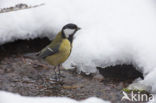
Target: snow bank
{"points": [[6, 97], [113, 31]]}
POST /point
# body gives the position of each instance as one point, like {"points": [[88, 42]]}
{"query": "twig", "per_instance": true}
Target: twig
{"points": [[19, 7]]}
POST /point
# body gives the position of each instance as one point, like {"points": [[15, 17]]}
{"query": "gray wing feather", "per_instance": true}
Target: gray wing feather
{"points": [[49, 51]]}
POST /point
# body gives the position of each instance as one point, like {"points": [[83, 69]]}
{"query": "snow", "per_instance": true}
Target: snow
{"points": [[6, 97], [113, 31], [154, 100]]}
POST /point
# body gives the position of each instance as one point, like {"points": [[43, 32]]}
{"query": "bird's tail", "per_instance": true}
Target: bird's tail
{"points": [[31, 55]]}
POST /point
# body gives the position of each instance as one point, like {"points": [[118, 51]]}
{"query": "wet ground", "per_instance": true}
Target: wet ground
{"points": [[33, 77]]}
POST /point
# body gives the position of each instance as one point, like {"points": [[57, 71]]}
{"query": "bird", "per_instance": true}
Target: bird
{"points": [[58, 51]]}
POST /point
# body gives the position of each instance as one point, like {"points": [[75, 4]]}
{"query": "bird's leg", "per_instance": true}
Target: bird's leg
{"points": [[59, 72], [60, 80], [59, 69], [56, 76]]}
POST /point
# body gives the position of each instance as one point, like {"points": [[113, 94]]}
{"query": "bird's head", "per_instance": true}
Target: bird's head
{"points": [[69, 30]]}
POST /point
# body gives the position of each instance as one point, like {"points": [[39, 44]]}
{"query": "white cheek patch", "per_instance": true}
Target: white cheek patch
{"points": [[68, 32]]}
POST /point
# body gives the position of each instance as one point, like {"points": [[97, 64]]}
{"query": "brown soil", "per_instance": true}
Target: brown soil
{"points": [[33, 77]]}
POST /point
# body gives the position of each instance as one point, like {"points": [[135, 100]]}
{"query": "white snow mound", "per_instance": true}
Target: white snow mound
{"points": [[6, 97]]}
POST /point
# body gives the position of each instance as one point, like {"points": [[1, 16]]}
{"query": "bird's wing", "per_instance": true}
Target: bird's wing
{"points": [[52, 48], [49, 51]]}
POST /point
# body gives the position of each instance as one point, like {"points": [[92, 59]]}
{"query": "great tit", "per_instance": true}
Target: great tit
{"points": [[60, 48]]}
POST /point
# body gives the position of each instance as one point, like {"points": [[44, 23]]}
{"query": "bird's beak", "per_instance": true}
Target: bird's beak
{"points": [[78, 28]]}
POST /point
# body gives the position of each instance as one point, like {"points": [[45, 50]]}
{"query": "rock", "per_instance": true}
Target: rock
{"points": [[98, 77]]}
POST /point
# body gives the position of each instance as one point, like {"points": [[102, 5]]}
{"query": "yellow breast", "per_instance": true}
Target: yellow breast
{"points": [[62, 55]]}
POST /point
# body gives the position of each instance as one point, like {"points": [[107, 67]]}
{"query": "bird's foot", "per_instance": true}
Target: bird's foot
{"points": [[57, 79], [61, 75]]}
